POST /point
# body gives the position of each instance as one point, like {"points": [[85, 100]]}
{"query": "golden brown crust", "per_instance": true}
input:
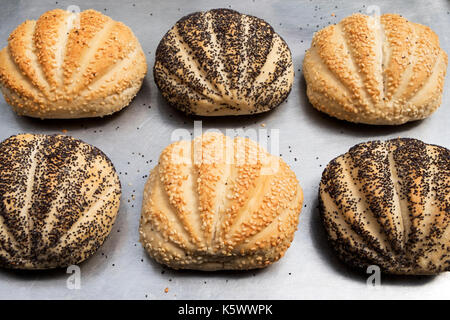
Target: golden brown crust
{"points": [[372, 70], [221, 62], [399, 36], [81, 47], [59, 198], [207, 207], [388, 204], [49, 36], [66, 65]]}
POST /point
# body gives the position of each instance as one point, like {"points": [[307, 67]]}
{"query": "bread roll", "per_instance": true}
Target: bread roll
{"points": [[376, 70], [67, 65], [218, 203], [59, 198], [388, 204], [221, 62]]}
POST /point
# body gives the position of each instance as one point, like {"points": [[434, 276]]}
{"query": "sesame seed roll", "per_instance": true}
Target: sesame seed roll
{"points": [[67, 65], [376, 70], [217, 203], [387, 203], [221, 62], [59, 198]]}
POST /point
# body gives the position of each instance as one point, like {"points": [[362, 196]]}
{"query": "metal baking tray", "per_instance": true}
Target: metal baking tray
{"points": [[134, 138]]}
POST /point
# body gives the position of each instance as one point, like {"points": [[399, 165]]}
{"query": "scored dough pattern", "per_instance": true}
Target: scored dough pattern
{"points": [[372, 70], [70, 66], [222, 62], [388, 204], [58, 201]]}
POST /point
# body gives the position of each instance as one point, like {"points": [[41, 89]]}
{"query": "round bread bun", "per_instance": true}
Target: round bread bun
{"points": [[388, 204], [222, 62], [217, 203], [375, 70], [68, 65], [59, 198]]}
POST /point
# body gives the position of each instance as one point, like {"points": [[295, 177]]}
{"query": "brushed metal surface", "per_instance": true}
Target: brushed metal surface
{"points": [[134, 137]]}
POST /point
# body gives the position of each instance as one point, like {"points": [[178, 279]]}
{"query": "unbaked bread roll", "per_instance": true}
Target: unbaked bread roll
{"points": [[218, 203], [59, 198], [388, 204], [67, 65], [221, 62], [376, 70]]}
